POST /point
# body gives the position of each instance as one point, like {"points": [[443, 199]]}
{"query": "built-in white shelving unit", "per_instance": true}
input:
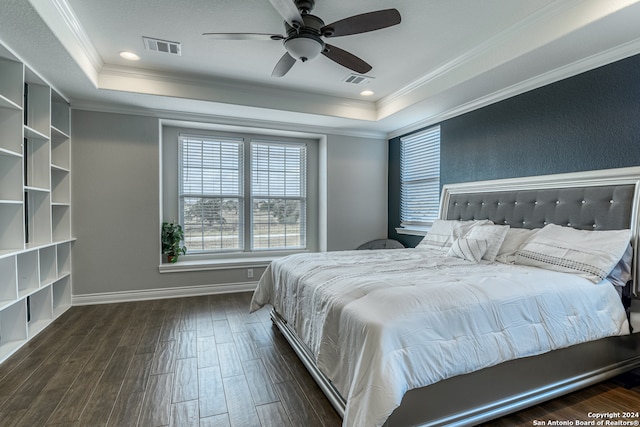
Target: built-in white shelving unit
{"points": [[35, 204]]}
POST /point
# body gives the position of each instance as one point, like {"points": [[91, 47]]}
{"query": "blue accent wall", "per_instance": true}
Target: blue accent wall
{"points": [[587, 122]]}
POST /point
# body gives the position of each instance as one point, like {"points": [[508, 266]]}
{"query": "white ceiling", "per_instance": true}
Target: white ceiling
{"points": [[443, 59]]}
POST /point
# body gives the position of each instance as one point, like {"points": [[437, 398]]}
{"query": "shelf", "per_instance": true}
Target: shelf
{"points": [[9, 282], [7, 103], [61, 222], [11, 75], [40, 311], [60, 114], [37, 104], [34, 134], [37, 163], [64, 259], [37, 217], [9, 253], [58, 134], [35, 204], [37, 189], [11, 178], [11, 135], [11, 226], [60, 150], [13, 328], [61, 295], [28, 280], [57, 168], [8, 153], [48, 265], [60, 186], [12, 252]]}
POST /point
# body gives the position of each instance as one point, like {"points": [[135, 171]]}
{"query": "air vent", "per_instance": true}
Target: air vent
{"points": [[162, 46], [357, 79]]}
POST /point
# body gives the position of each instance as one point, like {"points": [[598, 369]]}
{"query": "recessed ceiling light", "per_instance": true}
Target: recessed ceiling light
{"points": [[130, 56], [367, 92]]}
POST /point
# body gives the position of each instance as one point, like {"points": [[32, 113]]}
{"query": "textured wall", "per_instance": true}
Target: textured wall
{"points": [[590, 121], [587, 122]]}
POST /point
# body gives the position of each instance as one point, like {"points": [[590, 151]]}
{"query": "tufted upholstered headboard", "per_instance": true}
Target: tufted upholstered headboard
{"points": [[595, 200], [586, 208]]}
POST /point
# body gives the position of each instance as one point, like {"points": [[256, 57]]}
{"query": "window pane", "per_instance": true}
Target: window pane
{"points": [[212, 224], [211, 166], [278, 224]]}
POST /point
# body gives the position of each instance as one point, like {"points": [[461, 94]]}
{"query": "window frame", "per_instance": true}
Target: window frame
{"points": [[302, 198], [240, 195], [169, 191], [425, 145]]}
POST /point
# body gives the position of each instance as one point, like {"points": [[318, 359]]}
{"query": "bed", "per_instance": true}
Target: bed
{"points": [[445, 335]]}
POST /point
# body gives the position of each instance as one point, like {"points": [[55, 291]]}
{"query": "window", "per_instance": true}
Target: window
{"points": [[242, 194], [211, 193], [420, 177], [278, 195]]}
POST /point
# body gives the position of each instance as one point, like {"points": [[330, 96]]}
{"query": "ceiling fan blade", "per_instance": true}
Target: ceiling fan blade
{"points": [[362, 23], [283, 66], [243, 36], [288, 10], [346, 59]]}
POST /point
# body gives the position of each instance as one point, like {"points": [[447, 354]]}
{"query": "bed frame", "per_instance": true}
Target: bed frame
{"points": [[597, 200]]}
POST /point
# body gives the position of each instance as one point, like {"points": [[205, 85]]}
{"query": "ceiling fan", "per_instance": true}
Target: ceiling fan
{"points": [[305, 31]]}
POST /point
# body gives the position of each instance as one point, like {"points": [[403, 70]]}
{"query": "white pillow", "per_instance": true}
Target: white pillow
{"points": [[469, 249], [444, 232], [493, 234], [590, 254], [514, 239]]}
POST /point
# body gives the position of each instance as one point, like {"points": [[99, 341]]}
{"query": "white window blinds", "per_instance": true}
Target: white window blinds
{"points": [[211, 193], [278, 195], [420, 177]]}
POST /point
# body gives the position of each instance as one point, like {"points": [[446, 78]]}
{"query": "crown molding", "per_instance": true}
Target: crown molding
{"points": [[606, 57], [208, 118], [138, 80], [390, 104], [63, 22], [546, 27]]}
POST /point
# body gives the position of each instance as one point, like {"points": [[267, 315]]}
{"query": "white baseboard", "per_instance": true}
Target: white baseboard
{"points": [[163, 293]]}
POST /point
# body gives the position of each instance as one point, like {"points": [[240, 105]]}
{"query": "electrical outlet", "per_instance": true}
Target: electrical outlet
{"points": [[250, 273]]}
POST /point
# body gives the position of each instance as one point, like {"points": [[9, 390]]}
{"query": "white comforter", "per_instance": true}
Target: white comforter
{"points": [[383, 322]]}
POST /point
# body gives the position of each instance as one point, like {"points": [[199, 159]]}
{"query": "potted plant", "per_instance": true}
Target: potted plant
{"points": [[172, 236]]}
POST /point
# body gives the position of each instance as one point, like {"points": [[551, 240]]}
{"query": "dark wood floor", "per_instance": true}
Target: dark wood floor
{"points": [[201, 361]]}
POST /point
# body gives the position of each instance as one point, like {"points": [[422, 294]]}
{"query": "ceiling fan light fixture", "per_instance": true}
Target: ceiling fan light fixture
{"points": [[303, 47], [305, 32]]}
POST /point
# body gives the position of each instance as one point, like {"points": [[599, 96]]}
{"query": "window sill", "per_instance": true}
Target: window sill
{"points": [[223, 263], [212, 264], [414, 230]]}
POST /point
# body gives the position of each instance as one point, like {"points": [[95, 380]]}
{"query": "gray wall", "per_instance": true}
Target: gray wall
{"points": [[357, 191], [116, 199]]}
